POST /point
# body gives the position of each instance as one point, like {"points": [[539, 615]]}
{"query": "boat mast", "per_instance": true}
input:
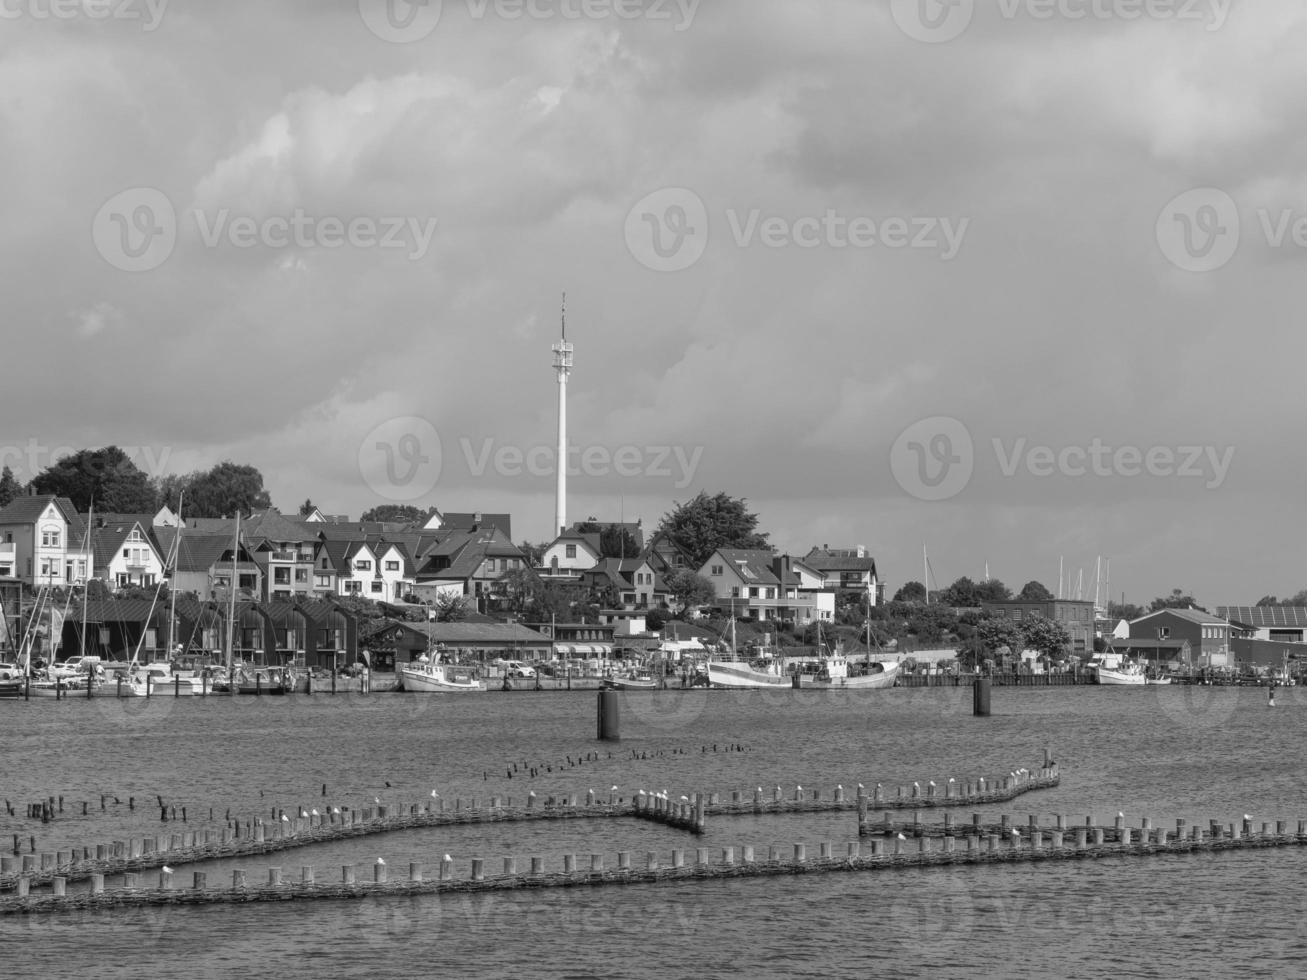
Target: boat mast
{"points": [[231, 595], [86, 579], [172, 592]]}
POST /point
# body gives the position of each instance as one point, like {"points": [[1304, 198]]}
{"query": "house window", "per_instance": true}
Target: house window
{"points": [[377, 586], [362, 566], [571, 551], [735, 591], [1016, 615], [135, 536], [322, 581], [771, 593], [50, 539], [717, 570], [126, 554], [1163, 632], [753, 592], [302, 576], [281, 576], [392, 566]]}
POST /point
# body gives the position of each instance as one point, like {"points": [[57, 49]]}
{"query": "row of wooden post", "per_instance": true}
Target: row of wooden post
{"points": [[1078, 838]]}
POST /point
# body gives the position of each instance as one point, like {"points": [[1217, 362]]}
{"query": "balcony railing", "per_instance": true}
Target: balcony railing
{"points": [[289, 556]]}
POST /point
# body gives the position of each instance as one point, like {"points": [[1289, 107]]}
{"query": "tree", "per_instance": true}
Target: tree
{"points": [[1047, 636], [992, 590], [533, 553], [521, 586], [1034, 591], [1268, 600], [911, 592], [1124, 610], [105, 477], [615, 541], [1176, 600], [706, 523], [223, 491], [307, 508], [396, 514], [9, 487], [655, 620], [451, 607], [962, 593], [552, 602], [690, 589]]}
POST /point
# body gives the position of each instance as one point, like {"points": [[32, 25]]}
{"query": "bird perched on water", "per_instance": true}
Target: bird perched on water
{"points": [[381, 860], [166, 870], [901, 837], [314, 812], [286, 818]]}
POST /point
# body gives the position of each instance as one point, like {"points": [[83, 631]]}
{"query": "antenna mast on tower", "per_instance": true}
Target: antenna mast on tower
{"points": [[562, 365]]}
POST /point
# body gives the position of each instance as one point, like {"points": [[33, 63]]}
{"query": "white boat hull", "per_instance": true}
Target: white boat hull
{"points": [[440, 679], [742, 677], [867, 682], [1121, 678]]}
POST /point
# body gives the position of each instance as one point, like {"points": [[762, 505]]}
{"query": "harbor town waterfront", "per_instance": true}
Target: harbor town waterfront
{"points": [[1119, 750]]}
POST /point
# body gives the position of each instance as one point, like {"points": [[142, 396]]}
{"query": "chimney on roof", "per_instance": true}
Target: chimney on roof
{"points": [[862, 551]]}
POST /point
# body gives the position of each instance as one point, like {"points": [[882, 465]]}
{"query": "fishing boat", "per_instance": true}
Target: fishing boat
{"points": [[834, 673], [426, 677], [635, 680]]}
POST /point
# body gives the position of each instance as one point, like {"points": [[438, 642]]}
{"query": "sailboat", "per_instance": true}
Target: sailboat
{"points": [[835, 671]]}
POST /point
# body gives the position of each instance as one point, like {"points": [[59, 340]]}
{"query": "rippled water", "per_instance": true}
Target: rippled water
{"points": [[1193, 753]]}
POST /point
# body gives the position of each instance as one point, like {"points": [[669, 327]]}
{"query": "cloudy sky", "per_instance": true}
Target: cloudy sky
{"points": [[1017, 280]]}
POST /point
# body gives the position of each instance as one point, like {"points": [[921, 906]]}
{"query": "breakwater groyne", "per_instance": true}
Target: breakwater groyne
{"points": [[281, 832], [700, 865]]}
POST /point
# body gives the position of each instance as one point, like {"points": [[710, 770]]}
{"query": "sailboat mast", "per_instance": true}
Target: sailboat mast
{"points": [[231, 595], [86, 579], [172, 592]]}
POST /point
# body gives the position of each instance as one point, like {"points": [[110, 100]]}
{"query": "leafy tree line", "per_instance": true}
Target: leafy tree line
{"points": [[108, 480]]}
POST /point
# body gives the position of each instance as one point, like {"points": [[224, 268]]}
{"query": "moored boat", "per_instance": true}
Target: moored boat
{"points": [[632, 681], [425, 677]]}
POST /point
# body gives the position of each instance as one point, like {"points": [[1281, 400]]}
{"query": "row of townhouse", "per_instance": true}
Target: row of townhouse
{"points": [[754, 584], [44, 541]]}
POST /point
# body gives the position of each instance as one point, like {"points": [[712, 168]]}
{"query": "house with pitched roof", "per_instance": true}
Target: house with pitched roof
{"points": [[372, 568], [469, 563], [203, 564], [284, 551], [763, 585], [570, 554], [1204, 637], [847, 569], [665, 556], [125, 555], [469, 522], [632, 580], [43, 541]]}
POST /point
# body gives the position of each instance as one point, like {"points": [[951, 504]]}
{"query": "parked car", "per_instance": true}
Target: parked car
{"points": [[515, 668]]}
